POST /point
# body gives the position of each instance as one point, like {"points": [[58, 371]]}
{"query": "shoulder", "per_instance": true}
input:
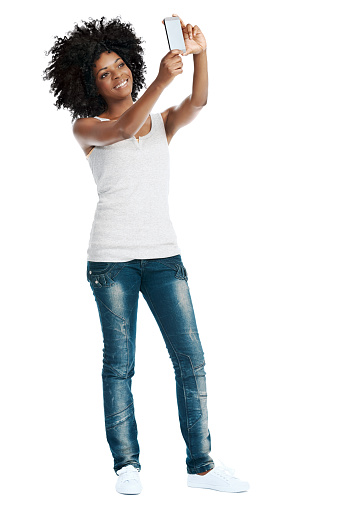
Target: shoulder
{"points": [[80, 123], [82, 129]]}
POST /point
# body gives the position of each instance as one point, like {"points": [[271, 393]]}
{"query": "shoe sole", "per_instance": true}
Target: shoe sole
{"points": [[130, 492], [215, 487]]}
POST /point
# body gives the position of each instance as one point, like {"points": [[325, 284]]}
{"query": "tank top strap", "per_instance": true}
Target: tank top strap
{"points": [[102, 119]]}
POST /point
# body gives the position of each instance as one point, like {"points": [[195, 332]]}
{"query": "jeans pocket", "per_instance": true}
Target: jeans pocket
{"points": [[102, 274], [181, 272], [180, 269], [176, 264]]}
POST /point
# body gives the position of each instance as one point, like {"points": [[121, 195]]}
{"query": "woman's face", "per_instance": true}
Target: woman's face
{"points": [[113, 78]]}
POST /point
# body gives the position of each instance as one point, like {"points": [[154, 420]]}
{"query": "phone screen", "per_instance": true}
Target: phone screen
{"points": [[174, 33]]}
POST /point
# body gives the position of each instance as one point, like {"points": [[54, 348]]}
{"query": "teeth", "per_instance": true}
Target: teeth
{"points": [[121, 84]]}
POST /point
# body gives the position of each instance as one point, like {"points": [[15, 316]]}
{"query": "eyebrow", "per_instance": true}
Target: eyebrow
{"points": [[107, 67]]}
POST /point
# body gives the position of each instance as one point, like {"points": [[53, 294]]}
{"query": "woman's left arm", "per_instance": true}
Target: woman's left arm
{"points": [[178, 116]]}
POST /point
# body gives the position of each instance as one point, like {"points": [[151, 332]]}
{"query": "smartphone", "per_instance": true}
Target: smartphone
{"points": [[174, 33]]}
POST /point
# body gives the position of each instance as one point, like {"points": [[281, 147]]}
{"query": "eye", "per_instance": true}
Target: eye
{"points": [[103, 75], [122, 63]]}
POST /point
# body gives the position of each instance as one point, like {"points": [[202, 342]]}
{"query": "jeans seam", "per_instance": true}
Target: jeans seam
{"points": [[129, 327], [188, 435], [196, 384], [126, 338], [114, 414], [199, 366], [168, 264], [110, 310], [119, 423], [198, 420], [104, 274]]}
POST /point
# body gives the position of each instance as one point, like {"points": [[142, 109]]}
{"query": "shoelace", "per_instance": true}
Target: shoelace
{"points": [[129, 475], [224, 471]]}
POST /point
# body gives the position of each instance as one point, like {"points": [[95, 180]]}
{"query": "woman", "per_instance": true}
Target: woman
{"points": [[96, 72]]}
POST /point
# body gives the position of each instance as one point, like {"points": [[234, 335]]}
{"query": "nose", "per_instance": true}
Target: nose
{"points": [[117, 75]]}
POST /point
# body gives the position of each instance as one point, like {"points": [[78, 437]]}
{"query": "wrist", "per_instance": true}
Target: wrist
{"points": [[158, 84], [202, 52]]}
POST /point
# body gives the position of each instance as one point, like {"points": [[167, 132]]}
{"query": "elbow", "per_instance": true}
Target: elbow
{"points": [[125, 133], [200, 104]]}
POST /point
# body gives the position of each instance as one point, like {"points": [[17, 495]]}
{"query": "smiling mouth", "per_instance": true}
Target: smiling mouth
{"points": [[121, 85]]}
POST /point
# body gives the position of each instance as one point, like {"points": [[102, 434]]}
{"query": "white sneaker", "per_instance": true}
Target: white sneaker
{"points": [[219, 478], [128, 481]]}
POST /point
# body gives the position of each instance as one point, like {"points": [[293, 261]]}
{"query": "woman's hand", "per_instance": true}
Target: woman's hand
{"points": [[170, 66], [195, 41]]}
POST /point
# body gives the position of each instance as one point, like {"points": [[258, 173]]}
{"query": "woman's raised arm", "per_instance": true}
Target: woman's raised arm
{"points": [[93, 132], [184, 113]]}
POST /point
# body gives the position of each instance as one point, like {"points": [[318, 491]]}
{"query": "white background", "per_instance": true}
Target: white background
{"points": [[254, 202]]}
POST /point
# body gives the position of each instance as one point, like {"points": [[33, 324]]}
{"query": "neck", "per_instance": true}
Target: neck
{"points": [[116, 109]]}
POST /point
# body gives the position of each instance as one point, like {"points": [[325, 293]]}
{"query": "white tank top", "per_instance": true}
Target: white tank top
{"points": [[132, 218]]}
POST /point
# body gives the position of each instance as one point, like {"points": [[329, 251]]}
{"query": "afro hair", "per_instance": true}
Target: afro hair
{"points": [[73, 57]]}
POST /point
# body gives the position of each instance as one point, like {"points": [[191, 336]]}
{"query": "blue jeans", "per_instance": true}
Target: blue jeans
{"points": [[163, 283]]}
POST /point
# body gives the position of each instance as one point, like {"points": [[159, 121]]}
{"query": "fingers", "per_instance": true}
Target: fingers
{"points": [[173, 59], [181, 21], [172, 62], [176, 61], [174, 52], [176, 58], [191, 31]]}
